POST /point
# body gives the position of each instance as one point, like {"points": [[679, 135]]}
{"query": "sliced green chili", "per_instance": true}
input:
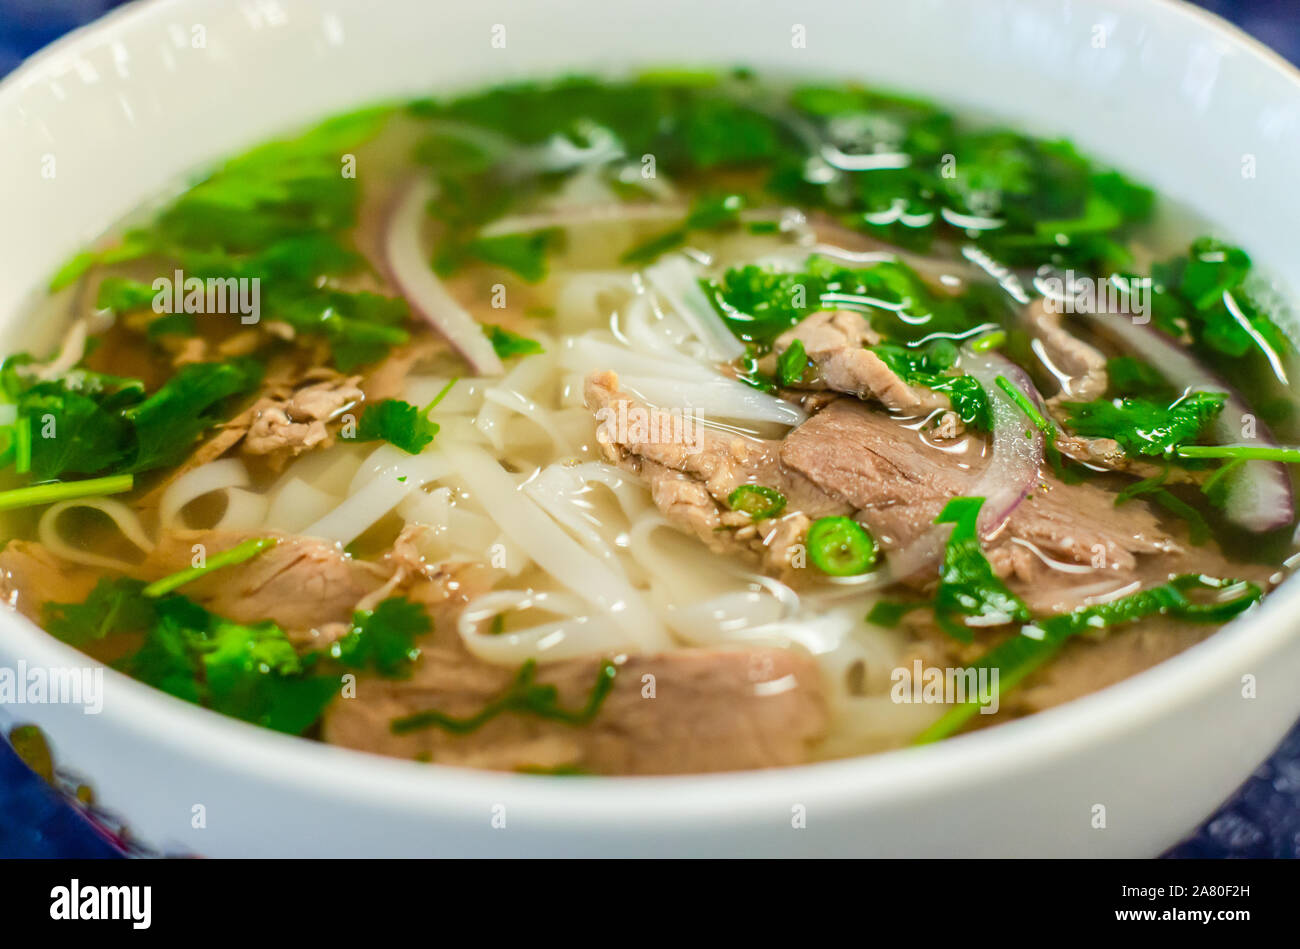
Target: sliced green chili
{"points": [[757, 501], [840, 546]]}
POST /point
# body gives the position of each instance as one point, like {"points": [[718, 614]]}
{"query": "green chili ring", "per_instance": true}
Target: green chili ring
{"points": [[841, 547], [757, 501]]}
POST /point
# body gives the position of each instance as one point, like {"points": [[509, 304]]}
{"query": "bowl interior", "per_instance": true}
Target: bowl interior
{"points": [[99, 122]]}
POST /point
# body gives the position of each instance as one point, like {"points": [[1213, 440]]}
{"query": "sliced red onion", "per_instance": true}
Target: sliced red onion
{"points": [[1012, 471], [1259, 492], [409, 269]]}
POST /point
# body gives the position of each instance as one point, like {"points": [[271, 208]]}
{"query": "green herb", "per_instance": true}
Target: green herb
{"points": [[86, 423], [1216, 486], [113, 606], [281, 215], [1240, 452], [1020, 655], [167, 423], [523, 696], [932, 367], [989, 341], [1203, 294], [509, 344], [759, 502], [840, 546], [760, 303], [792, 365], [1131, 377], [523, 254], [384, 638], [1145, 428], [399, 423], [889, 613], [1153, 487], [968, 587], [122, 295], [250, 672], [50, 492], [711, 212], [238, 554]]}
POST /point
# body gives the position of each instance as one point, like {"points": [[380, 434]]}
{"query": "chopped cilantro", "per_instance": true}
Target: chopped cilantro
{"points": [[399, 423], [523, 254], [1143, 427], [113, 606], [792, 365], [509, 344], [250, 672], [383, 639], [967, 584], [932, 367], [1018, 656], [524, 695]]}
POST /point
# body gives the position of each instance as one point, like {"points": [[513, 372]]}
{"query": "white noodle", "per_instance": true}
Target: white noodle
{"points": [[556, 552], [361, 510], [579, 634], [245, 510], [298, 504], [47, 531], [674, 281], [214, 476]]}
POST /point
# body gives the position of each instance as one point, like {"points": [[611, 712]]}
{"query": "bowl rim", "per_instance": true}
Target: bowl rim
{"points": [[239, 748]]}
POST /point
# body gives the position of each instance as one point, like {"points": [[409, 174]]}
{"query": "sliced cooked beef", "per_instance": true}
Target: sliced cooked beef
{"points": [[686, 711], [31, 576], [302, 585], [898, 484], [836, 341], [386, 379], [690, 483], [1079, 367], [285, 426]]}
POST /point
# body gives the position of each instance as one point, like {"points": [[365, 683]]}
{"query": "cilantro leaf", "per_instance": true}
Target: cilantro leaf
{"points": [[523, 254], [967, 584], [167, 424], [121, 294], [1018, 656], [792, 364], [1143, 427], [383, 639], [509, 344], [711, 212], [759, 303], [250, 672], [932, 367], [113, 606], [397, 422]]}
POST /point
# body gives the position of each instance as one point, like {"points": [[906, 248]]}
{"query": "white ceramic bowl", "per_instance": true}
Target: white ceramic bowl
{"points": [[1157, 88]]}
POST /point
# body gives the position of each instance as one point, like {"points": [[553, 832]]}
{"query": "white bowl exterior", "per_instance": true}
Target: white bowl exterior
{"points": [[130, 103]]}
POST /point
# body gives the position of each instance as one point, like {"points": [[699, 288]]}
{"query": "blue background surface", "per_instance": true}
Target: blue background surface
{"points": [[1261, 820]]}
